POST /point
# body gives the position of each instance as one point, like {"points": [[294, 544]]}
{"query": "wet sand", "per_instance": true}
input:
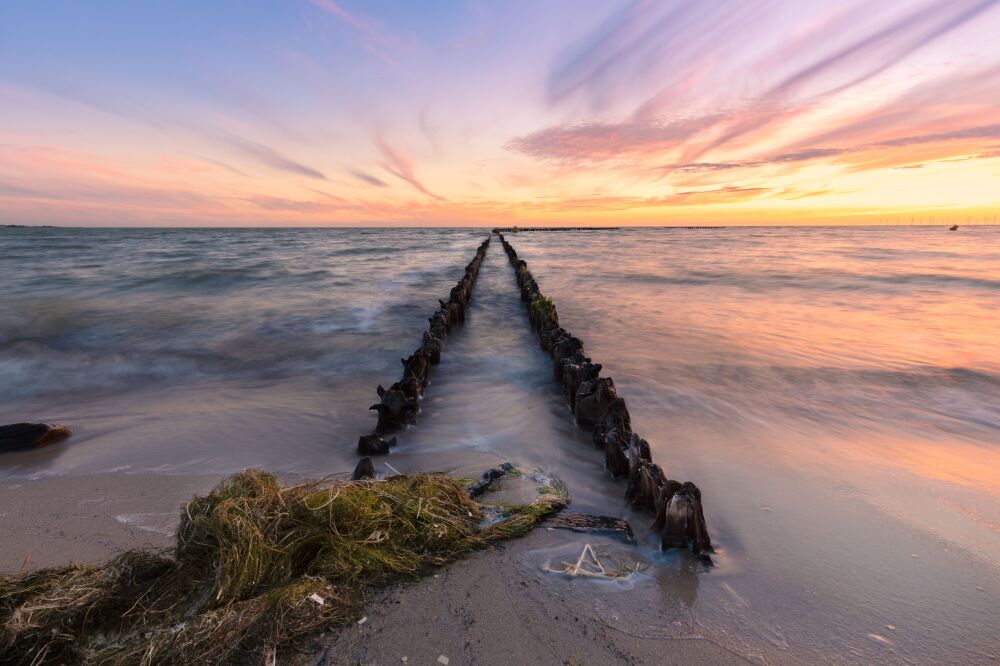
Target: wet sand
{"points": [[497, 607], [87, 519]]}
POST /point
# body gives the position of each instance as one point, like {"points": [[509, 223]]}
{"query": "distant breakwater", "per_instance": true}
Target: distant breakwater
{"points": [[517, 230], [598, 408]]}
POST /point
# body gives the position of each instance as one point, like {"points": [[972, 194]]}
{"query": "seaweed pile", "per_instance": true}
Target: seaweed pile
{"points": [[255, 566], [597, 407], [399, 404]]}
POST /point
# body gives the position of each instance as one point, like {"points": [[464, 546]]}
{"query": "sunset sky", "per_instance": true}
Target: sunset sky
{"points": [[316, 112]]}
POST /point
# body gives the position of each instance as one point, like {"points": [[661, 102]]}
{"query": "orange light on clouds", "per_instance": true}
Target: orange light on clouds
{"points": [[759, 114]]}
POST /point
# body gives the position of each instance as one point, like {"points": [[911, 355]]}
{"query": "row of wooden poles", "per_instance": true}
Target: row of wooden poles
{"points": [[597, 407], [592, 399], [399, 404]]}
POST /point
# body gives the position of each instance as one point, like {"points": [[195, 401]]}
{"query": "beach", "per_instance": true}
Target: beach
{"points": [[89, 519], [831, 392]]}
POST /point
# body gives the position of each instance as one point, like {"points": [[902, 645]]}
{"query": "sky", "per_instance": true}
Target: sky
{"points": [[556, 112]]}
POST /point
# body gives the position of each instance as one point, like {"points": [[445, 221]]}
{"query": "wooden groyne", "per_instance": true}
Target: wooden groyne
{"points": [[597, 407], [399, 404], [516, 230]]}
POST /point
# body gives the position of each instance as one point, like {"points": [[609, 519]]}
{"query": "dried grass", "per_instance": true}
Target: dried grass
{"points": [[252, 559]]}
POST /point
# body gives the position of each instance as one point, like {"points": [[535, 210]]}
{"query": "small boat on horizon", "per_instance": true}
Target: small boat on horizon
{"points": [[953, 227]]}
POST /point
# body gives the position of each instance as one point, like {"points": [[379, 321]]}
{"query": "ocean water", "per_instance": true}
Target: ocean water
{"points": [[835, 393]]}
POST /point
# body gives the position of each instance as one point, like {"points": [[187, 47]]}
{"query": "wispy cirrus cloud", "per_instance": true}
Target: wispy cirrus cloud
{"points": [[850, 65], [373, 39], [676, 59], [601, 202], [367, 178], [145, 115], [988, 132], [284, 204], [219, 163], [399, 164], [595, 141], [648, 44], [266, 155], [728, 194], [952, 101]]}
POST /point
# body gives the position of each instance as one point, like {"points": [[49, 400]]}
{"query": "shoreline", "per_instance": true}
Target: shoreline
{"points": [[53, 521]]}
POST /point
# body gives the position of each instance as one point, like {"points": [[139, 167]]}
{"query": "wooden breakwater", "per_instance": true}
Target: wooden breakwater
{"points": [[399, 403], [597, 407], [517, 230]]}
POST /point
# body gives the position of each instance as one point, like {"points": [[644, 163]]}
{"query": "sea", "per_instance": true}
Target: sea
{"points": [[833, 391]]}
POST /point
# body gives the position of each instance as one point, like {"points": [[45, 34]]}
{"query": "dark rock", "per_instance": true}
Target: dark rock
{"points": [[18, 436]]}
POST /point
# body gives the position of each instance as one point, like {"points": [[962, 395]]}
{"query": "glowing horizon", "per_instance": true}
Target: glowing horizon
{"points": [[323, 112]]}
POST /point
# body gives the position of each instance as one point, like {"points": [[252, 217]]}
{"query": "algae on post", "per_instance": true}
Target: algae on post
{"points": [[543, 308]]}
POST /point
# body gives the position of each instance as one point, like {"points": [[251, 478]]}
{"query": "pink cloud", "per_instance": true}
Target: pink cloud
{"points": [[400, 165], [685, 51], [372, 39]]}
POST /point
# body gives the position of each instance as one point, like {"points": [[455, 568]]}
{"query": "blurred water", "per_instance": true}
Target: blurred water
{"points": [[834, 392], [109, 310]]}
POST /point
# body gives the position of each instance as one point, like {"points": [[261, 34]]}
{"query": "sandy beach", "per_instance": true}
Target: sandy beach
{"points": [[88, 519], [498, 607]]}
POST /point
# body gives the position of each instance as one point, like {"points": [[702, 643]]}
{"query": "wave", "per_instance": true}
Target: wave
{"points": [[207, 277], [956, 400]]}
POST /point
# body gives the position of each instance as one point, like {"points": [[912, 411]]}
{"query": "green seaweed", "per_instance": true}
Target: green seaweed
{"points": [[256, 565], [543, 309]]}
